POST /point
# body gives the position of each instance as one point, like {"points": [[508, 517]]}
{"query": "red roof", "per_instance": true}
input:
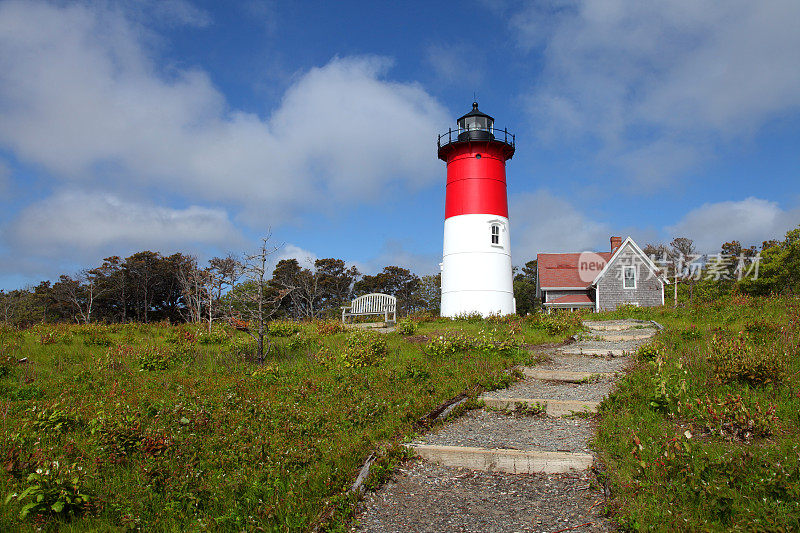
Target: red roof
{"points": [[561, 270], [572, 299]]}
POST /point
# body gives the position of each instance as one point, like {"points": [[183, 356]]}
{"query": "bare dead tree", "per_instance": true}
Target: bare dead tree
{"points": [[253, 299], [191, 281], [220, 276], [79, 293], [308, 292], [681, 254]]}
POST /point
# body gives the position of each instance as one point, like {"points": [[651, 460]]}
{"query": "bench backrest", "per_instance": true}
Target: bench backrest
{"points": [[374, 303]]}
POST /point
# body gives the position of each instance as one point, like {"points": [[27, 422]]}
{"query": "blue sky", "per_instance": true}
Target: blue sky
{"points": [[195, 126]]}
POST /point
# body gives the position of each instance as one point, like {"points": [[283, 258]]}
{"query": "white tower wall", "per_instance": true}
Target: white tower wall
{"points": [[476, 273]]}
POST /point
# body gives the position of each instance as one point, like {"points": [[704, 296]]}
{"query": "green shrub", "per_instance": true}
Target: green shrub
{"points": [[731, 417], [54, 419], [27, 392], [53, 491], [470, 317], [7, 365], [555, 323], [449, 343], [119, 434], [364, 348], [97, 337], [761, 331], [407, 326], [330, 327], [691, 333], [283, 328], [417, 373], [56, 334], [297, 342], [650, 351], [217, 335], [737, 360], [152, 358], [242, 346]]}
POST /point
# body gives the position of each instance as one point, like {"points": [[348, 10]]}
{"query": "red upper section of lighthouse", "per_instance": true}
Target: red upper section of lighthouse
{"points": [[476, 166], [476, 180]]}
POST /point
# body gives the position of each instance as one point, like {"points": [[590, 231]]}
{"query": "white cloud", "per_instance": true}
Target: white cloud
{"points": [[661, 84], [541, 223], [750, 221], [82, 95], [74, 226], [306, 258]]}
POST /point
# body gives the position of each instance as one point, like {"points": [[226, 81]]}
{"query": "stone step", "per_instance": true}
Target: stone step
{"points": [[503, 459], [616, 325], [568, 376], [577, 350], [552, 407], [626, 336]]}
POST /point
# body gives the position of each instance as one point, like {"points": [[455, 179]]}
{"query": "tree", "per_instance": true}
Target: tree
{"points": [[394, 280], [79, 293], [254, 299], [525, 289], [779, 268], [335, 282], [429, 293], [681, 255], [285, 277]]}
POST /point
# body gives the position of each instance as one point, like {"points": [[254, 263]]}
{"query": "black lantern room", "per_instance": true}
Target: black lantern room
{"points": [[475, 126]]}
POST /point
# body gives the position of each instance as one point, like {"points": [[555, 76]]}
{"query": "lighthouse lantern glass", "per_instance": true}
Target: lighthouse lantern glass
{"points": [[475, 123]]}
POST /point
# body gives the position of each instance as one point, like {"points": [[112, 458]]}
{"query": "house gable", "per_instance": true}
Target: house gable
{"points": [[644, 285]]}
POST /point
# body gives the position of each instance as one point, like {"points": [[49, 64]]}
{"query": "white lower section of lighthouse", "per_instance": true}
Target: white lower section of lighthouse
{"points": [[476, 266]]}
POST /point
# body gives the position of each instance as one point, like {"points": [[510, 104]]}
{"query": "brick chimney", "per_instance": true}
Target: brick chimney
{"points": [[616, 242]]}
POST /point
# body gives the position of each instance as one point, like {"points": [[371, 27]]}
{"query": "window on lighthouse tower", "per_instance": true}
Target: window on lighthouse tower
{"points": [[495, 234]]}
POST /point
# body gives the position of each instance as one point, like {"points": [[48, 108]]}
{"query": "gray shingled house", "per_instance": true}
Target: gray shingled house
{"points": [[600, 281]]}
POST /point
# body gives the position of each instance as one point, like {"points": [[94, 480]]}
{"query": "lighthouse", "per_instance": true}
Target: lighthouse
{"points": [[476, 263]]}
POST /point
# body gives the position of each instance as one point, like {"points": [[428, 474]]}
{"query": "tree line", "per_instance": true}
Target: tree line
{"points": [[148, 286]]}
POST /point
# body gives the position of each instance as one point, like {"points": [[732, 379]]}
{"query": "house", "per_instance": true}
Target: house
{"points": [[600, 281]]}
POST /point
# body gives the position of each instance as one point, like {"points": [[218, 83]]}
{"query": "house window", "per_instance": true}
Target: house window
{"points": [[629, 277], [495, 234]]}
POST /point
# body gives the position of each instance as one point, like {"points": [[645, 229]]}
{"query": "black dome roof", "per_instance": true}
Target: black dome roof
{"points": [[476, 113]]}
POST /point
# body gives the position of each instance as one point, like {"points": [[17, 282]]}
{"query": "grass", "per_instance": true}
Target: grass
{"points": [[166, 428], [704, 433]]}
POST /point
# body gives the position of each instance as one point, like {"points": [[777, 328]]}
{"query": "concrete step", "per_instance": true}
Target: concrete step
{"points": [[617, 325], [552, 407], [577, 350], [568, 376], [503, 459], [633, 335]]}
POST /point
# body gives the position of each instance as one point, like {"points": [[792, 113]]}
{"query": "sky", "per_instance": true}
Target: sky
{"points": [[198, 127]]}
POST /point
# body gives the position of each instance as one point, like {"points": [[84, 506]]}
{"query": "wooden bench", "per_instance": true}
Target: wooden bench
{"points": [[372, 304]]}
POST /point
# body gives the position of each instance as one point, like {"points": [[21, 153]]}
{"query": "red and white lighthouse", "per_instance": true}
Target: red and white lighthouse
{"points": [[476, 264]]}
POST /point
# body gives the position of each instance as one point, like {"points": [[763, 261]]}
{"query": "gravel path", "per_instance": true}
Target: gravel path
{"points": [[490, 429], [531, 388], [426, 497]]}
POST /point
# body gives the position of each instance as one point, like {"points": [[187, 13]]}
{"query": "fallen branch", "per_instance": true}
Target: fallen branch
{"points": [[358, 486]]}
